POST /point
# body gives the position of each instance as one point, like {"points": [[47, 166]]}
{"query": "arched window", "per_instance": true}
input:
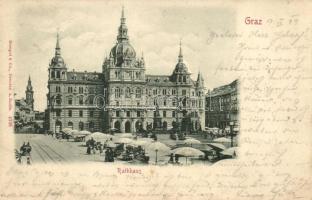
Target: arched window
{"points": [[90, 100], [91, 126], [70, 125], [80, 99], [128, 92]]}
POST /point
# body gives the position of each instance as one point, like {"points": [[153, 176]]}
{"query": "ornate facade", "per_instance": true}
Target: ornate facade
{"points": [[123, 97], [222, 106]]}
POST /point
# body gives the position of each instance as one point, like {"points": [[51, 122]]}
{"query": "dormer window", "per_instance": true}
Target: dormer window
{"points": [[58, 74]]}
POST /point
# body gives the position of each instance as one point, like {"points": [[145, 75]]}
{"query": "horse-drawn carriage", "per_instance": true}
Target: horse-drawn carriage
{"points": [[23, 155]]}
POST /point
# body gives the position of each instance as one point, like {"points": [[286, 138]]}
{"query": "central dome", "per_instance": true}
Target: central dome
{"points": [[122, 51], [57, 61], [181, 68]]}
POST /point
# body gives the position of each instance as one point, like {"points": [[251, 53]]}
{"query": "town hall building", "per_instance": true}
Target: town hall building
{"points": [[123, 97]]}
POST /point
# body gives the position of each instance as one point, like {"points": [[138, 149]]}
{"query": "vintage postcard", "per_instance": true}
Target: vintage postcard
{"points": [[156, 100]]}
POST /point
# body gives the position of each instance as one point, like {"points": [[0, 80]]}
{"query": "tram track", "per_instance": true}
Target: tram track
{"points": [[50, 157]]}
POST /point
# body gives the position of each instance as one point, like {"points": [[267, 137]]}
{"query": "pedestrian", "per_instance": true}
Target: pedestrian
{"points": [[100, 149], [106, 155], [171, 158], [111, 155], [89, 150], [176, 158]]}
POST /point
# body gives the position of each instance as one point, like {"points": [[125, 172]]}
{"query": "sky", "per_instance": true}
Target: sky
{"points": [[88, 31]]}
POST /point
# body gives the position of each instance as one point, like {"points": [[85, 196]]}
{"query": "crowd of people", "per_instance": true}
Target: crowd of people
{"points": [[112, 151]]}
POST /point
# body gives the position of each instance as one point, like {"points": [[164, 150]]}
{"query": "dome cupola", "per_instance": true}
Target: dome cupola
{"points": [[57, 61], [122, 52]]}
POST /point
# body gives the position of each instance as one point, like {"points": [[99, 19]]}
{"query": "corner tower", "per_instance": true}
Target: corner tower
{"points": [[57, 66], [29, 94], [122, 63], [180, 74]]}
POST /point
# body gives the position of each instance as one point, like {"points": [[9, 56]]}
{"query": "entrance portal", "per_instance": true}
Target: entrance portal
{"points": [[127, 127], [58, 126], [117, 125]]}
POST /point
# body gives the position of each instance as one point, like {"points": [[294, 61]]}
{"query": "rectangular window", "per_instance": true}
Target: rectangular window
{"points": [[70, 101], [164, 114], [138, 113], [183, 92], [69, 113], [70, 89], [58, 101], [58, 74], [173, 113], [91, 113], [58, 89], [128, 113], [80, 113], [117, 113], [58, 113], [91, 90]]}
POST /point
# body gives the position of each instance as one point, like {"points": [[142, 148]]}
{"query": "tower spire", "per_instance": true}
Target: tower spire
{"points": [[57, 46], [123, 30], [180, 53], [29, 86], [123, 19]]}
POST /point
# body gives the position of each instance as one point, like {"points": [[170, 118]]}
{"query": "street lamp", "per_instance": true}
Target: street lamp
{"points": [[156, 156], [231, 130]]}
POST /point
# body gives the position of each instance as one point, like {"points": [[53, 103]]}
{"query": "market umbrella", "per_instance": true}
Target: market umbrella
{"points": [[222, 139], [125, 135], [99, 136], [202, 147], [217, 146], [73, 132], [67, 130], [230, 151], [188, 152], [124, 140], [84, 132], [111, 144], [141, 143], [158, 146], [191, 141]]}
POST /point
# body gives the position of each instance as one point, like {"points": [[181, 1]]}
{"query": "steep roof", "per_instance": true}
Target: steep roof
{"points": [[85, 76]]}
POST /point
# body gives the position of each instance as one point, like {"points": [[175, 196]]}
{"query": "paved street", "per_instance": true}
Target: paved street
{"points": [[46, 149]]}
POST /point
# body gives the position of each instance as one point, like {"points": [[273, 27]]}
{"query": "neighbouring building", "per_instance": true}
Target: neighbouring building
{"points": [[222, 106], [24, 108], [122, 96]]}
